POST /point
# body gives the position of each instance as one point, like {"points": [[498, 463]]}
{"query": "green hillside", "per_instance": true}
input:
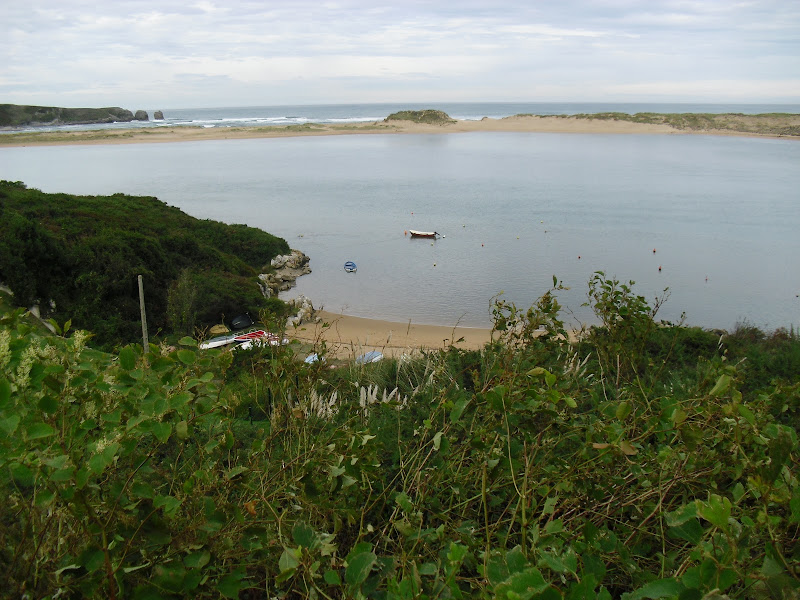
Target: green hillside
{"points": [[84, 254], [17, 115]]}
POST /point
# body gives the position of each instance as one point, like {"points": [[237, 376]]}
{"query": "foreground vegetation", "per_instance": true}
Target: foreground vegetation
{"points": [[647, 460], [79, 256]]}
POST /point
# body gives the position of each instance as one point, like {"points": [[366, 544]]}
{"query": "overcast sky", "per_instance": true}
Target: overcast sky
{"points": [[165, 54]]}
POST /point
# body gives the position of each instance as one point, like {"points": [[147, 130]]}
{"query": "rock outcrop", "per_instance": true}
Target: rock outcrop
{"points": [[141, 115], [287, 268], [158, 116], [303, 311]]}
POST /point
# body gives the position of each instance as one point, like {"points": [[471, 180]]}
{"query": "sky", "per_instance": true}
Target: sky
{"points": [[161, 54]]}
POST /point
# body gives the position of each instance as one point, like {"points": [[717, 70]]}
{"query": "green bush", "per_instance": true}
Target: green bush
{"points": [[86, 253]]}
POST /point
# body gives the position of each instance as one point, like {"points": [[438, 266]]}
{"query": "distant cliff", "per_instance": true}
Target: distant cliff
{"points": [[18, 115]]}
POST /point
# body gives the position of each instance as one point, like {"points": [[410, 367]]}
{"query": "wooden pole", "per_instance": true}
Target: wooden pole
{"points": [[144, 317]]}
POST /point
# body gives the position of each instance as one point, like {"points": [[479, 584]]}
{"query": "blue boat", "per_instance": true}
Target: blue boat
{"points": [[350, 266]]}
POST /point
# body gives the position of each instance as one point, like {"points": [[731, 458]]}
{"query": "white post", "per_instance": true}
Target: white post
{"points": [[144, 317]]}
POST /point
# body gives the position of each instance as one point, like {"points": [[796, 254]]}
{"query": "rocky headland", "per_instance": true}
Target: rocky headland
{"points": [[20, 115]]}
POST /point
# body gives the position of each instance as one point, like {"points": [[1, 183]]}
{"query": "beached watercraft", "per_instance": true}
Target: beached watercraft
{"points": [[271, 339], [423, 234], [231, 338], [369, 357]]}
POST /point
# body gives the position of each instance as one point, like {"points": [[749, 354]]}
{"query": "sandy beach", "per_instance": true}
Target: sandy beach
{"points": [[349, 337], [519, 124]]}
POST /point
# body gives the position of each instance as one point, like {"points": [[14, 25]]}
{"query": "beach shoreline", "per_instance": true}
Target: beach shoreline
{"points": [[513, 124], [347, 337]]}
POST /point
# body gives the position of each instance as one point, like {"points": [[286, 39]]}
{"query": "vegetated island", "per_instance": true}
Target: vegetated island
{"points": [[783, 125], [80, 256], [20, 115]]}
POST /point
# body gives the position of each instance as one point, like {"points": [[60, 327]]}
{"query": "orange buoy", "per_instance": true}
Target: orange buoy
{"points": [[405, 232]]}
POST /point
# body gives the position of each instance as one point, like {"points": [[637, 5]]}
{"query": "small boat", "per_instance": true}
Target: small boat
{"points": [[239, 338], [369, 357], [423, 234], [271, 339], [350, 266]]}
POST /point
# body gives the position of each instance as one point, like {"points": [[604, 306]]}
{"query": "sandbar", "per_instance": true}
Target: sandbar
{"points": [[517, 124], [347, 337]]}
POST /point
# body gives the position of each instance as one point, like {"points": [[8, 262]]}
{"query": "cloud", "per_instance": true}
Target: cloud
{"points": [[170, 54]]}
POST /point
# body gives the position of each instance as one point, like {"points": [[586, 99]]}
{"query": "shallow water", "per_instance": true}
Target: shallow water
{"points": [[515, 209]]}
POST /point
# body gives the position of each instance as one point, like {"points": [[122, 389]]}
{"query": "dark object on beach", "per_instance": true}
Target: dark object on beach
{"points": [[350, 266], [242, 321]]}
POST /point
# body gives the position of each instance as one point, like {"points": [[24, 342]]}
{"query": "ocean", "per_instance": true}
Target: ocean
{"points": [[712, 219]]}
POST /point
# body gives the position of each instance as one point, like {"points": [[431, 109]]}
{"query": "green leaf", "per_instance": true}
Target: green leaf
{"points": [[62, 475], [127, 358], [9, 424], [661, 588], [5, 393], [162, 431], [623, 410], [794, 505], [780, 447], [523, 585], [681, 515], [747, 414], [230, 585], [549, 379], [182, 430], [428, 569], [180, 399], [143, 490], [716, 511], [458, 409], [39, 430], [359, 567], [197, 560], [92, 560], [188, 341], [303, 535], [721, 386], [187, 357], [170, 504], [289, 560], [437, 440], [332, 578]]}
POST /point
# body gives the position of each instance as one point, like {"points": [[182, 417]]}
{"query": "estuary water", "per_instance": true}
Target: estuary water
{"points": [[515, 209]]}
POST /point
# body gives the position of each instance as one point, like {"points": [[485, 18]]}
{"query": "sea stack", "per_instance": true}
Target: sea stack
{"points": [[141, 115], [158, 116]]}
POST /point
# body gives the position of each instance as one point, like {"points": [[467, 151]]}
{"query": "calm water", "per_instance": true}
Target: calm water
{"points": [[516, 209]]}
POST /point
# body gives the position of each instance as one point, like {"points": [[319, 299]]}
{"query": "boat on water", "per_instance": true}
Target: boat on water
{"points": [[423, 234]]}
